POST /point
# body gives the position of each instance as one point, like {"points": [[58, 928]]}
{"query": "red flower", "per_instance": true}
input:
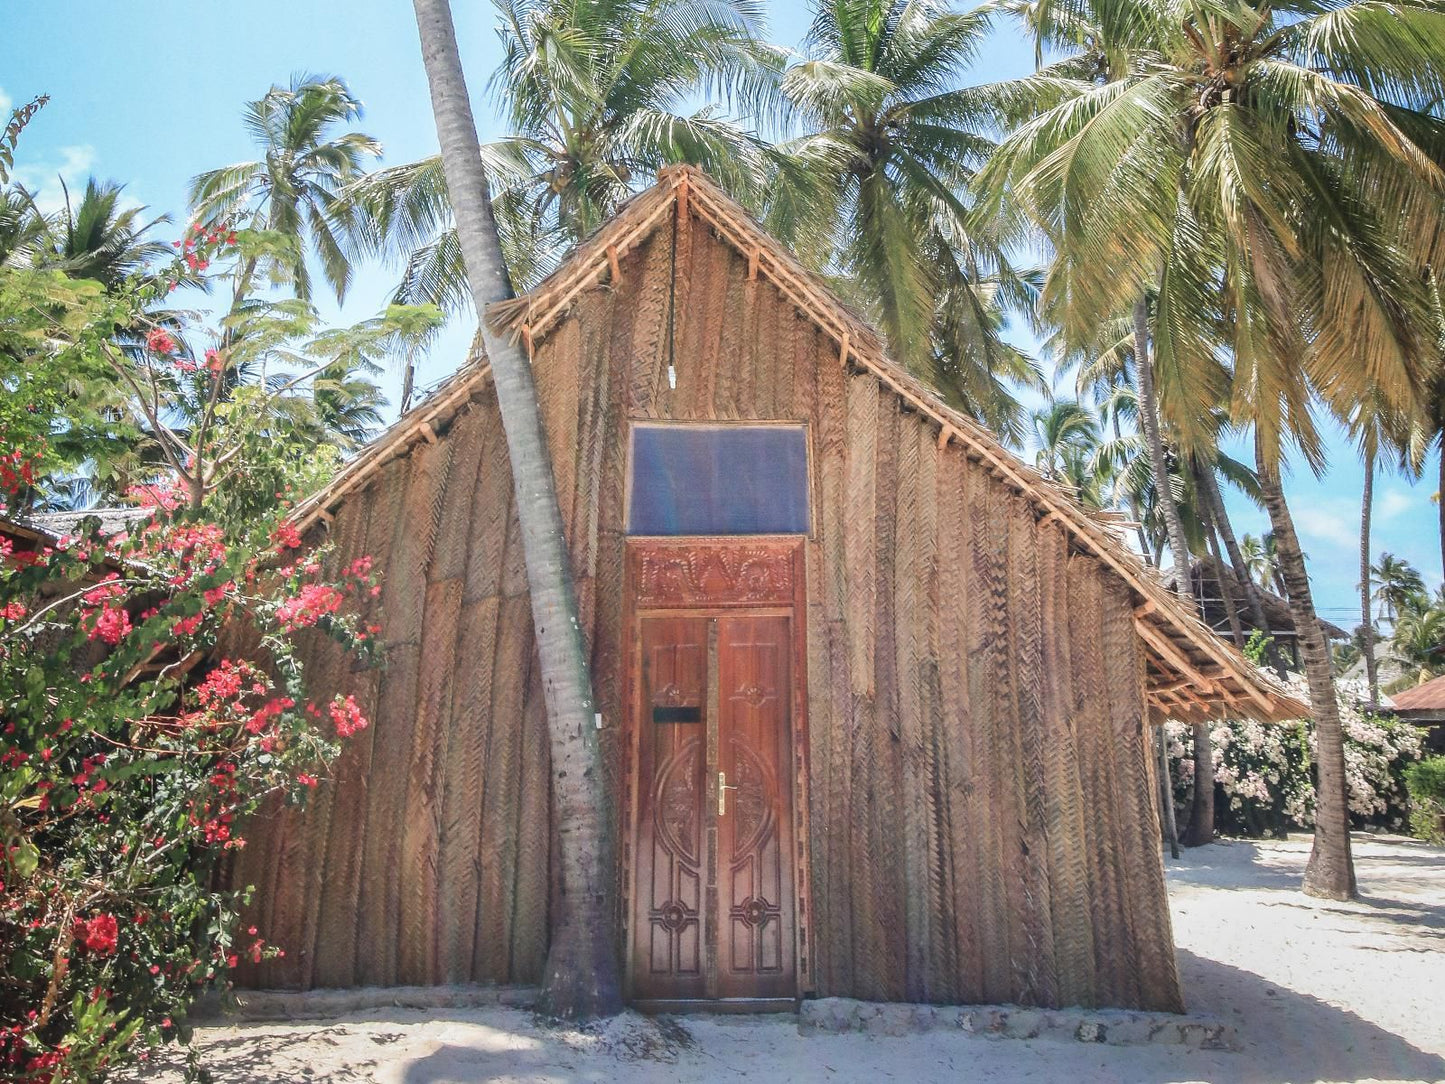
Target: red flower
{"points": [[160, 342], [98, 934], [111, 625], [314, 602], [287, 537], [346, 714]]}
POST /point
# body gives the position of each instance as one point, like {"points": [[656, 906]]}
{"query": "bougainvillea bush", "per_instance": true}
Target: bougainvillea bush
{"points": [[131, 749], [1262, 771]]}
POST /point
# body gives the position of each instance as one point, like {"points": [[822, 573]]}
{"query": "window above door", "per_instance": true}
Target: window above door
{"points": [[717, 479]]}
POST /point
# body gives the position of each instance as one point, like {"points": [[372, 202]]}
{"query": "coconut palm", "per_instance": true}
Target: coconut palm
{"points": [[99, 238], [581, 977], [1063, 431], [1377, 431], [877, 190], [1259, 560], [597, 96], [294, 190], [1396, 583], [1417, 643], [1270, 175], [22, 226]]}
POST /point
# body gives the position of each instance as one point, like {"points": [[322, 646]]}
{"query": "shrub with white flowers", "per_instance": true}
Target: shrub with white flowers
{"points": [[1264, 776]]}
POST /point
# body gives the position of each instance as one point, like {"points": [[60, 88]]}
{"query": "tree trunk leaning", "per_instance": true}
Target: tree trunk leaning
{"points": [[1367, 623], [1201, 813], [581, 979], [1154, 441], [1330, 872]]}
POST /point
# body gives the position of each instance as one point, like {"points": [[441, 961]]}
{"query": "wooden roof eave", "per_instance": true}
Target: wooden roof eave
{"points": [[417, 424]]}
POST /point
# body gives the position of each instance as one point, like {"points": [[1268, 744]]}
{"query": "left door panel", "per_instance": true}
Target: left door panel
{"points": [[670, 909]]}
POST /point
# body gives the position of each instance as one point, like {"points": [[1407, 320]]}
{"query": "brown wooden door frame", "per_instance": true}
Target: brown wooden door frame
{"points": [[717, 578]]}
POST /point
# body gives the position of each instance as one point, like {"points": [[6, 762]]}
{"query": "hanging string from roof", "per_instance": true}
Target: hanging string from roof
{"points": [[672, 305]]}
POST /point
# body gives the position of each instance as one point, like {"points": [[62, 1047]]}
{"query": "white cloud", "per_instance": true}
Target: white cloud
{"points": [[1395, 502], [5, 104], [1334, 523], [43, 178]]}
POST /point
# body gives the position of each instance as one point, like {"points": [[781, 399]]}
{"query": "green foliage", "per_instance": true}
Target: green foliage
{"points": [[1256, 648], [10, 138], [598, 95], [130, 755], [1426, 783], [878, 190], [117, 392]]}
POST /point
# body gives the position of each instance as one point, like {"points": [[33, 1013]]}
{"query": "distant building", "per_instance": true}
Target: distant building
{"points": [[1205, 587], [1424, 705]]}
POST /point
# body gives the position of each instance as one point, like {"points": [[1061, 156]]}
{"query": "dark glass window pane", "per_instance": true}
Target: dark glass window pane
{"points": [[743, 479]]}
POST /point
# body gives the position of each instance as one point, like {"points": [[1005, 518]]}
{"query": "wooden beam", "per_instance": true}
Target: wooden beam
{"points": [[1171, 654], [843, 350], [753, 255], [428, 432], [612, 262], [944, 434]]}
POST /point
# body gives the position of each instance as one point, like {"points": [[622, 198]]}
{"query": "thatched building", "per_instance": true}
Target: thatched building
{"points": [[923, 673]]}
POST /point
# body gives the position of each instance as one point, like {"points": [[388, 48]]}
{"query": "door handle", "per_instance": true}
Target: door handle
{"points": [[722, 793]]}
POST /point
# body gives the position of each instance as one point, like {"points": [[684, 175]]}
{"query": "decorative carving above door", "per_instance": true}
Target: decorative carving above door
{"points": [[696, 572]]}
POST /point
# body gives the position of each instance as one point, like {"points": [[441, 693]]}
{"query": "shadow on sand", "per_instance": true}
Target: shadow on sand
{"points": [[1277, 1029]]}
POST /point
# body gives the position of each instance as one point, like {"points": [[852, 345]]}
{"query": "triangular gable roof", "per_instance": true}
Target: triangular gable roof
{"points": [[1194, 674]]}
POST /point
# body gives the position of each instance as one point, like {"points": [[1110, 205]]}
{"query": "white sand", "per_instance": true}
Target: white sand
{"points": [[1318, 991]]}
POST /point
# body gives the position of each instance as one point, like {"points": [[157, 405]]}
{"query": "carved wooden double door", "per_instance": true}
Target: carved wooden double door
{"points": [[713, 910]]}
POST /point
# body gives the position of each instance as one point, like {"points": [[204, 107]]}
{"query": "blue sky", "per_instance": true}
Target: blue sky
{"points": [[149, 92]]}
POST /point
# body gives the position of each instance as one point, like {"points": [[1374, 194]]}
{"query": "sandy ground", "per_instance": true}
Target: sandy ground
{"points": [[1318, 991]]}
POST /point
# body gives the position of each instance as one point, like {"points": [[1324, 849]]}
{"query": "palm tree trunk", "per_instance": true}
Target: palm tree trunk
{"points": [[1367, 625], [1330, 872], [581, 977], [1214, 500], [1149, 414], [1440, 497], [1201, 812], [1135, 513]]}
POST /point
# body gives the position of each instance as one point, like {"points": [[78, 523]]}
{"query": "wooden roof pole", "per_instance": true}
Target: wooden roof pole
{"points": [[1172, 654]]}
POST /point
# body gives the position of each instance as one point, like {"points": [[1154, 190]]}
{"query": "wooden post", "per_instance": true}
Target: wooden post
{"points": [[1166, 792]]}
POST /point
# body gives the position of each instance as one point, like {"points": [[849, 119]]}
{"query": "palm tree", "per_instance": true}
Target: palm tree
{"points": [[1270, 174], [1378, 430], [598, 96], [877, 190], [1417, 643], [1259, 562], [1063, 431], [582, 975], [294, 190], [1396, 583], [99, 238], [22, 226]]}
